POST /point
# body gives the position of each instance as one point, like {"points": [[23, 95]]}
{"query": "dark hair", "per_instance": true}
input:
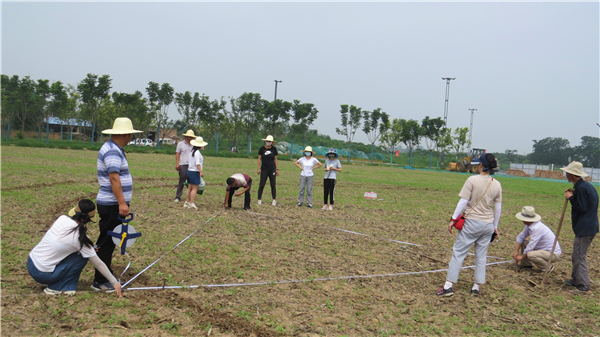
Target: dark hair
{"points": [[491, 161], [82, 218], [196, 148], [230, 181]]}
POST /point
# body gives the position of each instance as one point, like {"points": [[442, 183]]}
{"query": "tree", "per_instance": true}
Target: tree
{"points": [[391, 135], [432, 129], [94, 90], [410, 135], [10, 88], [42, 92], [551, 150], [444, 141], [235, 123], [160, 96], [251, 107], [303, 115], [588, 153], [374, 125], [134, 106], [24, 99], [188, 107], [211, 118], [58, 104], [459, 141], [276, 114], [351, 119]]}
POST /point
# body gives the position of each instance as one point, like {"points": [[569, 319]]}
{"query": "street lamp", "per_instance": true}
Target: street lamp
{"points": [[276, 81], [447, 79], [471, 127]]}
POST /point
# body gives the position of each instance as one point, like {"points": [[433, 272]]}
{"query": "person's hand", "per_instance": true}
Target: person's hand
{"points": [[568, 193], [202, 174], [515, 255], [497, 234], [326, 169], [520, 257], [177, 167], [276, 172], [118, 289], [238, 194], [226, 205], [258, 172], [123, 210], [451, 225]]}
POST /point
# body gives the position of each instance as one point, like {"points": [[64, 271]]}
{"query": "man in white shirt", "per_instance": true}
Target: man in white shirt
{"points": [[538, 248], [182, 158]]}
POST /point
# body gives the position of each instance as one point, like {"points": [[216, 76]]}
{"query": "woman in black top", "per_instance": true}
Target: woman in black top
{"points": [[268, 167]]}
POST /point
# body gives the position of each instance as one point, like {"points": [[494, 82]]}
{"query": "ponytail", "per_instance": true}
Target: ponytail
{"points": [[84, 209]]}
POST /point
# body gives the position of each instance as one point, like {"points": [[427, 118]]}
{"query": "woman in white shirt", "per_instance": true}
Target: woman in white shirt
{"points": [[307, 164], [64, 251], [195, 172]]}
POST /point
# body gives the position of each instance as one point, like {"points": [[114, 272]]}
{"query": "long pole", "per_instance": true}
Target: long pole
{"points": [[471, 127], [276, 81], [562, 216], [447, 79]]}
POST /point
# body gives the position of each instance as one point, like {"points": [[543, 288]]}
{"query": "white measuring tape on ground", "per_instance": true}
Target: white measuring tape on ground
{"points": [[307, 280]]}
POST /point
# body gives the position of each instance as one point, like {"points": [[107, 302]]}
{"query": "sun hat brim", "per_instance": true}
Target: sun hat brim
{"points": [[120, 132], [575, 173], [187, 135], [526, 218], [336, 155], [199, 144], [76, 209]]}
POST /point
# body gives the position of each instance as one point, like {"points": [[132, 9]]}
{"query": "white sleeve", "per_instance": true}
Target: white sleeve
{"points": [[103, 269], [460, 207], [497, 213]]}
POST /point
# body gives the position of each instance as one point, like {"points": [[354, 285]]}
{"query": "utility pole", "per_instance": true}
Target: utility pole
{"points": [[447, 79], [471, 127], [276, 81]]}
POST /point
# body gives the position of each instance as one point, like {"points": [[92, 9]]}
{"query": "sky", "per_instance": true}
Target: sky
{"points": [[530, 69]]}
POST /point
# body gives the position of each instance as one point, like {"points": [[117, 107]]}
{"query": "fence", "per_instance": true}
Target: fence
{"points": [[594, 173]]}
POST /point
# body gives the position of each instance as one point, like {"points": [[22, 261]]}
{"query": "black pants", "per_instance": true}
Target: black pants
{"points": [[271, 174], [329, 188], [246, 195], [109, 219], [182, 178]]}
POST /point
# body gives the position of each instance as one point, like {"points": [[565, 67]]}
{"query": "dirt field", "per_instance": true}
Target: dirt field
{"points": [[281, 243]]}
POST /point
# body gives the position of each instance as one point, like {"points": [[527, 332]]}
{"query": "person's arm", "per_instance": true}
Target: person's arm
{"points": [[298, 164], [226, 197], [276, 166], [462, 203], [177, 155], [103, 269], [497, 214], [243, 191], [319, 164], [115, 184], [339, 169], [259, 159], [516, 255], [580, 200], [200, 170]]}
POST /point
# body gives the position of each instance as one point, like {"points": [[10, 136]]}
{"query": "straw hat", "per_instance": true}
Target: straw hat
{"points": [[528, 214], [121, 126], [308, 149], [332, 151], [199, 142], [189, 133], [76, 209], [269, 139], [576, 169]]}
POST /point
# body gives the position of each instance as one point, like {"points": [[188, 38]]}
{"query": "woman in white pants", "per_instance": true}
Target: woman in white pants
{"points": [[478, 195]]}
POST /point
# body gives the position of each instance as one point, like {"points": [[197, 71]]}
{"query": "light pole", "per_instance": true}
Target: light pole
{"points": [[471, 127], [276, 81], [447, 79]]}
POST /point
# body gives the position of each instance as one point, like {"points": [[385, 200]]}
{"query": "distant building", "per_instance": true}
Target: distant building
{"points": [[75, 125]]}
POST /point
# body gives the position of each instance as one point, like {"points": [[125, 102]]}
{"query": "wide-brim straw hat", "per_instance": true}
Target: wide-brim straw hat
{"points": [[189, 133], [199, 142], [528, 214], [308, 149], [333, 151], [76, 209], [269, 139], [121, 126], [575, 168]]}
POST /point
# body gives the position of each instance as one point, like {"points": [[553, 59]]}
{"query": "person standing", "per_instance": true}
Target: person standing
{"points": [[114, 196], [307, 164], [182, 159], [535, 250], [584, 218], [478, 194], [268, 167], [195, 172], [58, 259], [332, 167], [235, 182]]}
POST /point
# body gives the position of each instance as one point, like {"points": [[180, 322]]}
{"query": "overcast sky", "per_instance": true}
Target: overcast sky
{"points": [[531, 69]]}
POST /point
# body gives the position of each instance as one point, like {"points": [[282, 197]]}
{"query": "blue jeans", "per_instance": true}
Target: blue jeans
{"points": [[65, 275]]}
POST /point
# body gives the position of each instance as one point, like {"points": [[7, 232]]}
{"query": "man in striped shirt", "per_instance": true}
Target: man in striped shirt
{"points": [[116, 186]]}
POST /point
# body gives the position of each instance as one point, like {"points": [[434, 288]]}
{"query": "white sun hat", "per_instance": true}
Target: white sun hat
{"points": [[528, 214], [308, 149], [121, 126], [575, 168], [199, 142], [189, 133], [269, 139]]}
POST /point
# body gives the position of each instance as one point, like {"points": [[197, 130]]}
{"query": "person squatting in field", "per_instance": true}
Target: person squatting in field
{"points": [[116, 191], [537, 249], [268, 166], [235, 182], [58, 259], [195, 172], [307, 164], [584, 218], [182, 160], [332, 167], [478, 194]]}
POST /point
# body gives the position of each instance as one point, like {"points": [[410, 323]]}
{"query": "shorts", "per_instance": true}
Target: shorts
{"points": [[193, 177]]}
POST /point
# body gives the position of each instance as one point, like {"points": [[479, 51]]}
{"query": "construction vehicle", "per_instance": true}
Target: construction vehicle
{"points": [[464, 165]]}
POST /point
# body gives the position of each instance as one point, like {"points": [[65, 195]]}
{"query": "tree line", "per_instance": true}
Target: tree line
{"points": [[558, 151]]}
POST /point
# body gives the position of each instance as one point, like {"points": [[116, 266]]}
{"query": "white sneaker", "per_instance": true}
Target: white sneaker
{"points": [[49, 291], [324, 208], [186, 205], [274, 202], [176, 200], [330, 208], [260, 202], [193, 205]]}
